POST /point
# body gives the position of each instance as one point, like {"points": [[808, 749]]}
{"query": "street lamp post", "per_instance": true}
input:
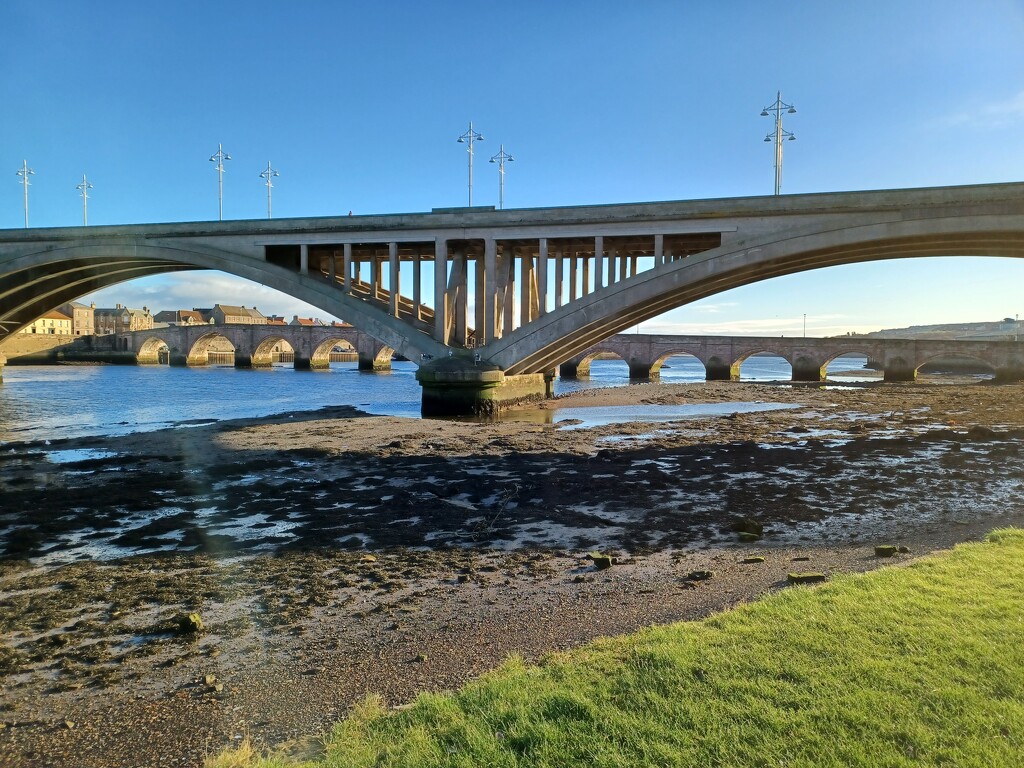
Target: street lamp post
{"points": [[470, 136], [501, 158], [779, 134], [84, 188], [24, 172], [219, 157], [269, 174]]}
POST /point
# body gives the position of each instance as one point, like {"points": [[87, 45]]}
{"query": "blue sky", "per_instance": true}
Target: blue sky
{"points": [[358, 106]]}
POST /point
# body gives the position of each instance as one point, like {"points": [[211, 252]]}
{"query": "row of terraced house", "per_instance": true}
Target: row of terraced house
{"points": [[78, 319]]}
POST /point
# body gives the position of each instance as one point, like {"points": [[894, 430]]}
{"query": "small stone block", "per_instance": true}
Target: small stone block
{"points": [[191, 623], [368, 559], [903, 550], [885, 550], [210, 679], [601, 562], [810, 577], [751, 560], [699, 575]]}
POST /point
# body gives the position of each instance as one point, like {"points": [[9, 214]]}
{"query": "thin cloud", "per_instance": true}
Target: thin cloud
{"points": [[996, 114]]}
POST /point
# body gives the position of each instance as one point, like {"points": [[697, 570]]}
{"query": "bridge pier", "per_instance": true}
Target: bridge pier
{"points": [[1007, 374], [372, 363], [571, 370], [805, 369], [457, 387], [899, 374], [309, 364], [716, 369], [640, 371]]}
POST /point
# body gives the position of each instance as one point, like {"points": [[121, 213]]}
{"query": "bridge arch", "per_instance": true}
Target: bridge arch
{"points": [[36, 281], [148, 352], [536, 346], [660, 361], [984, 360]]}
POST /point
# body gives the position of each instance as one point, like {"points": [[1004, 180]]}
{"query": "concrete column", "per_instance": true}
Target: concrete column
{"points": [[479, 292], [633, 264], [440, 286], [542, 277], [347, 266], [489, 296], [599, 281], [659, 249], [623, 267], [417, 285], [461, 300], [303, 259], [559, 276], [333, 264], [585, 287], [394, 278], [612, 259], [526, 287], [573, 276], [374, 275], [510, 294]]}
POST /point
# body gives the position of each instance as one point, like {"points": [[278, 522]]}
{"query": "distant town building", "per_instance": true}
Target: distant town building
{"points": [[276, 320], [82, 316], [306, 321], [121, 320], [225, 314], [180, 317], [53, 323]]}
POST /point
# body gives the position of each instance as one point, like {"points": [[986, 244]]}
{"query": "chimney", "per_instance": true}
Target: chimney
{"points": [[118, 306]]}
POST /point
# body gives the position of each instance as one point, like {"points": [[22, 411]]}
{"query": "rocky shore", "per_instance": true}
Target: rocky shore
{"points": [[332, 554]]}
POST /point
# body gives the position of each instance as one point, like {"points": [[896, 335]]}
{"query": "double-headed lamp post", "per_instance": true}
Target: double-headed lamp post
{"points": [[269, 174], [779, 134], [84, 188], [219, 157], [24, 172], [501, 158], [470, 136]]}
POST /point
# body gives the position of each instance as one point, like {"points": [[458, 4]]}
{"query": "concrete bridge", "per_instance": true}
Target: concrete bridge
{"points": [[722, 356], [490, 302], [190, 345]]}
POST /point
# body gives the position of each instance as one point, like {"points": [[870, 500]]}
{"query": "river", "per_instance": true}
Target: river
{"points": [[55, 402]]}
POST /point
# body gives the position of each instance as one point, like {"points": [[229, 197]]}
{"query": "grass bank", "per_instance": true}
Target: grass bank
{"points": [[914, 666]]}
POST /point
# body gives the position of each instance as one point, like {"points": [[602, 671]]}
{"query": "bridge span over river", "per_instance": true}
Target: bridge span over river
{"points": [[490, 302], [722, 356]]}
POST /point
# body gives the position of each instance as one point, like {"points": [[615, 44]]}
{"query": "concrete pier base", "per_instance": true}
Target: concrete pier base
{"points": [[457, 387]]}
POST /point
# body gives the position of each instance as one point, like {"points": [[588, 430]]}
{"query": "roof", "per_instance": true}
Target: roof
{"points": [[228, 309], [55, 315]]}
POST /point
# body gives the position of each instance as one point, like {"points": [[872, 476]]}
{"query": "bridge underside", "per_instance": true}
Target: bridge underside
{"points": [[500, 294]]}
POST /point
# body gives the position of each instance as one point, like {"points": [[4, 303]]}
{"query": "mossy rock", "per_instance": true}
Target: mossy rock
{"points": [[748, 538], [808, 577], [699, 575], [903, 550], [747, 525], [752, 560], [190, 624], [886, 550], [601, 562]]}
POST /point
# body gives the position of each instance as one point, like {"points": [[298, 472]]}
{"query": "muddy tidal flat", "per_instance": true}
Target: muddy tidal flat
{"points": [[331, 554]]}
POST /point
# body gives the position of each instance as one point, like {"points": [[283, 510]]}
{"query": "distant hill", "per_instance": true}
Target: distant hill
{"points": [[1008, 329]]}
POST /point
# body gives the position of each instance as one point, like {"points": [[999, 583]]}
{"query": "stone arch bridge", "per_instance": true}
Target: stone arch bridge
{"points": [[722, 357], [489, 302], [190, 344]]}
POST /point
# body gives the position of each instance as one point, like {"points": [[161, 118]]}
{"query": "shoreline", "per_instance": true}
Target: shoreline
{"points": [[317, 583]]}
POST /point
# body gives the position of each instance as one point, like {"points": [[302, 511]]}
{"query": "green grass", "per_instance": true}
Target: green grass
{"points": [[914, 666]]}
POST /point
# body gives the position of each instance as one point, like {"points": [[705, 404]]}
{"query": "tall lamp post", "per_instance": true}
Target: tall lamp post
{"points": [[779, 134], [25, 172], [84, 188], [219, 157], [470, 136], [501, 158], [269, 174]]}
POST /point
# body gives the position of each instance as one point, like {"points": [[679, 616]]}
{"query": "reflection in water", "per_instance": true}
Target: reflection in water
{"points": [[53, 402]]}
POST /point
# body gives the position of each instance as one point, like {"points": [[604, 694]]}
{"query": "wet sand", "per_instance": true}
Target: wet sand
{"points": [[333, 554]]}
